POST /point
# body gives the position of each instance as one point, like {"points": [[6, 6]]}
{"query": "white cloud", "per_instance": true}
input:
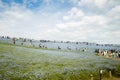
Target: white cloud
{"points": [[100, 3], [74, 13], [93, 28], [114, 18], [115, 12], [96, 3], [21, 22], [89, 3], [76, 24]]}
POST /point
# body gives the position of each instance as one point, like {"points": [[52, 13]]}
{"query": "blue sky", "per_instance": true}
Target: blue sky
{"points": [[73, 20]]}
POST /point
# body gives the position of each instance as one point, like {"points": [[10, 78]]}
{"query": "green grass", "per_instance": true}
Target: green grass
{"points": [[23, 63]]}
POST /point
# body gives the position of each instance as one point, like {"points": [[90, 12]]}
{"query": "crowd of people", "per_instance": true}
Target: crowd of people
{"points": [[108, 53]]}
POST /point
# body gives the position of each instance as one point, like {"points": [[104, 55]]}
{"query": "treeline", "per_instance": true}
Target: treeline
{"points": [[55, 41]]}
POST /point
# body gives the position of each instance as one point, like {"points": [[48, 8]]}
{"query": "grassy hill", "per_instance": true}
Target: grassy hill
{"points": [[23, 63]]}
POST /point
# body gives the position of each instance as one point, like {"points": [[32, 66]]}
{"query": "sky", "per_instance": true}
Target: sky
{"points": [[63, 20]]}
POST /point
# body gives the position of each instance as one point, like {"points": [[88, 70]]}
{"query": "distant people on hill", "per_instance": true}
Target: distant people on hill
{"points": [[68, 48], [2, 36], [31, 42], [119, 54], [97, 51], [13, 40], [59, 47], [8, 37], [76, 42], [104, 53], [108, 53], [84, 50], [24, 40], [43, 46], [40, 45]]}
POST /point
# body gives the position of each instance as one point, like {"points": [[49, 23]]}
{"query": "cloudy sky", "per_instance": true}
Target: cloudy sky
{"points": [[73, 20]]}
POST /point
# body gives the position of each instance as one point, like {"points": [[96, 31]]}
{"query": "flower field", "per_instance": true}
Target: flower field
{"points": [[28, 63]]}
